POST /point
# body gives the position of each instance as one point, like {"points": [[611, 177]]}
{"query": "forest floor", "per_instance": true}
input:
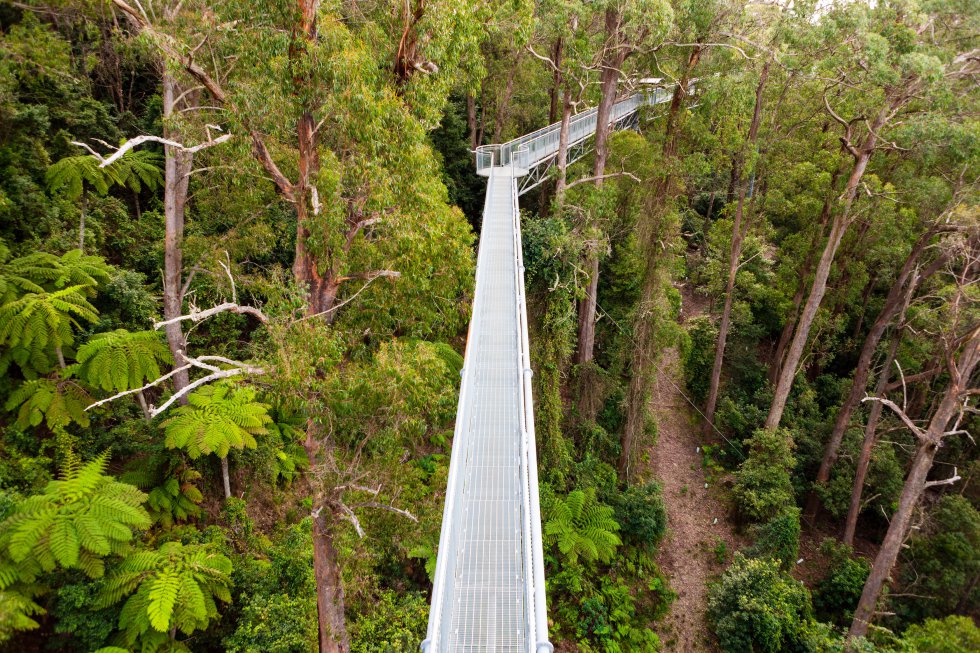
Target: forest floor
{"points": [[701, 535]]}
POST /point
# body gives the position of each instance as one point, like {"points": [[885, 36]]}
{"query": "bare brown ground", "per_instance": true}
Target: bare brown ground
{"points": [[701, 537]]}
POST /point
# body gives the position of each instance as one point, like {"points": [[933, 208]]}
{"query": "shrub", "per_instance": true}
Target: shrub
{"points": [[396, 623], [641, 515], [779, 538], [700, 356], [954, 634], [755, 608], [762, 483], [942, 561], [838, 593], [275, 624]]}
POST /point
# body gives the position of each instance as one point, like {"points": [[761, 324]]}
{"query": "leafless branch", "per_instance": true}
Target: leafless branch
{"points": [[385, 506], [612, 174], [946, 481], [146, 138], [901, 415], [197, 316]]}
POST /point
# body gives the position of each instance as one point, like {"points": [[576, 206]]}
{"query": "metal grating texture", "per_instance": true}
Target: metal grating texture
{"points": [[485, 603]]}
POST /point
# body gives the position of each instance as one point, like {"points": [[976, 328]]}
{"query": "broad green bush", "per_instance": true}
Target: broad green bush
{"points": [[275, 624], [954, 634], [700, 356], [641, 514], [779, 538], [755, 608], [763, 486], [396, 624], [837, 594]]}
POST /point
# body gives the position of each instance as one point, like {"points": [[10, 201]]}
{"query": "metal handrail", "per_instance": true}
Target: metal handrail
{"points": [[456, 460]]}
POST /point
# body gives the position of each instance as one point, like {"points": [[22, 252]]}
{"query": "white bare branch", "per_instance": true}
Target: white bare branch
{"points": [[145, 138], [389, 508], [197, 316], [919, 433], [349, 515], [946, 481]]}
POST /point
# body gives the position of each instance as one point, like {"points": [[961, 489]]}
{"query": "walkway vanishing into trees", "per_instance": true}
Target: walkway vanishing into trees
{"points": [[489, 593]]}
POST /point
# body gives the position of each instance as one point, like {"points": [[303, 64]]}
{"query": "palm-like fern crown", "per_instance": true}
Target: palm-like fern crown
{"points": [[135, 169], [219, 418], [56, 402], [172, 494], [40, 272], [37, 321], [122, 360], [175, 587], [581, 526], [74, 523]]}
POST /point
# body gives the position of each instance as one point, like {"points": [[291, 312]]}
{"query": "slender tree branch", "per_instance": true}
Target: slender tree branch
{"points": [[197, 316]]}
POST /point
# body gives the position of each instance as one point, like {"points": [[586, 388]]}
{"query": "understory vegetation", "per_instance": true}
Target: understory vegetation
{"points": [[237, 256]]}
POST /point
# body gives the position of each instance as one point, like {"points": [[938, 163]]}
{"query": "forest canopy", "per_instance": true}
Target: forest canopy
{"points": [[238, 243]]}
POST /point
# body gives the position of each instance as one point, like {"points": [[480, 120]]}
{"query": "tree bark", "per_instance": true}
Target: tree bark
{"points": [[177, 167], [612, 62], [225, 477], [330, 588], [870, 439], [738, 236], [904, 286], [555, 105], [566, 117], [929, 442], [819, 287], [471, 119], [640, 365], [784, 338], [504, 107]]}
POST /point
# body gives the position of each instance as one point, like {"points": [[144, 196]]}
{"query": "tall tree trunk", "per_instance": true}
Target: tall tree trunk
{"points": [[776, 365], [555, 105], [177, 168], [609, 82], [929, 442], [226, 477], [471, 119], [503, 109], [639, 384], [904, 286], [330, 588], [738, 236], [81, 225], [566, 117], [819, 288], [870, 439]]}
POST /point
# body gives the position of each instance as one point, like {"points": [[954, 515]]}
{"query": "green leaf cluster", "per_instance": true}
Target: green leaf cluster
{"points": [[218, 418]]}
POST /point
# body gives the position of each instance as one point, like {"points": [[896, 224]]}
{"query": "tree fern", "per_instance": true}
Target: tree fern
{"points": [[582, 527], [290, 457], [138, 169], [55, 401], [172, 495], [70, 174], [16, 613], [38, 321], [122, 360], [74, 523], [218, 418], [172, 588], [41, 271]]}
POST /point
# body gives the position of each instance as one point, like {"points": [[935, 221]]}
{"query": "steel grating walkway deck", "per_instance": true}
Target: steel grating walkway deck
{"points": [[488, 592]]}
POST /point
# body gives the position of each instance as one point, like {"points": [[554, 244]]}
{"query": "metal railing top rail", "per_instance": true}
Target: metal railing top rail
{"points": [[580, 127]]}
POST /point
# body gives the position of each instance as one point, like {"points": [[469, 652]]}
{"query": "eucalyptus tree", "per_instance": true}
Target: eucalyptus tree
{"points": [[885, 62]]}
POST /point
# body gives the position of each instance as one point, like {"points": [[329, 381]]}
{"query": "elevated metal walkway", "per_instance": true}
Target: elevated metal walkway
{"points": [[488, 593]]}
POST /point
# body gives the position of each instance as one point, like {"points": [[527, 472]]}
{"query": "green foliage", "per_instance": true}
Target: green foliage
{"points": [[838, 592], [173, 587], [74, 523], [641, 515], [755, 608], [38, 321], [942, 563], [136, 169], [583, 527], [396, 622], [762, 482], [56, 402], [699, 356], [278, 624], [778, 538], [219, 418], [172, 495], [954, 634], [122, 360]]}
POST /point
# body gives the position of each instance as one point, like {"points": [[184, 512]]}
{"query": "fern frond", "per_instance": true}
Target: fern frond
{"points": [[123, 360]]}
